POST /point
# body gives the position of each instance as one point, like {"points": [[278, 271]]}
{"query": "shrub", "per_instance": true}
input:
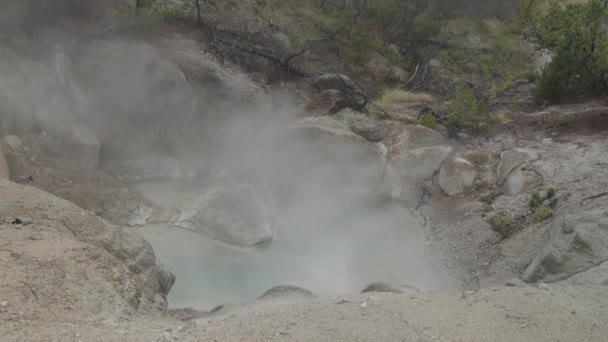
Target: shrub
{"points": [[428, 121], [551, 192], [504, 224], [576, 34], [467, 111], [536, 200], [542, 214]]}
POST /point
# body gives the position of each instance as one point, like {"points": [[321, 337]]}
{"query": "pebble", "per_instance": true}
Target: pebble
{"points": [[364, 305], [3, 303], [543, 286]]}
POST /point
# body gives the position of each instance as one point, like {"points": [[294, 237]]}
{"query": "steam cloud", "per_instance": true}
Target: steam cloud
{"points": [[332, 240]]}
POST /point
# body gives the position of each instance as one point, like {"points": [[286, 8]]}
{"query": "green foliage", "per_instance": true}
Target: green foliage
{"points": [[536, 200], [501, 53], [576, 34], [467, 111], [551, 192], [504, 224], [542, 214], [428, 121]]}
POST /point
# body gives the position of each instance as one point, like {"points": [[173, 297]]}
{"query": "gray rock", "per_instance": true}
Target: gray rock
{"points": [[13, 141], [417, 165], [327, 150], [237, 215], [520, 180], [511, 159], [371, 130], [381, 287], [597, 275], [327, 102], [282, 41], [456, 176], [416, 136], [288, 292], [333, 81], [577, 243]]}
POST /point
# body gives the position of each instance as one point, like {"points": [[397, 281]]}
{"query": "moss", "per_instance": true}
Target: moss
{"points": [[504, 224], [542, 214]]}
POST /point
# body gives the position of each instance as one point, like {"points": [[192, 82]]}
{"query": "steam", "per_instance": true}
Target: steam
{"points": [[333, 238]]}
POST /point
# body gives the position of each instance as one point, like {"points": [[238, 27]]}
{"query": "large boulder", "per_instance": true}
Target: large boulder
{"points": [[417, 165], [371, 130], [42, 163], [327, 102], [456, 175], [511, 159], [522, 179], [323, 153], [416, 136], [64, 261], [237, 215], [577, 243], [597, 275], [333, 81]]}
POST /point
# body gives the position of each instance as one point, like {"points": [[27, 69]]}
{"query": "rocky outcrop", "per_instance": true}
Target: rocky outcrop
{"points": [[333, 81], [522, 179], [327, 102], [41, 162], [456, 176], [511, 159], [416, 136], [417, 165], [237, 215], [70, 263], [577, 243], [287, 292], [371, 130], [314, 150]]}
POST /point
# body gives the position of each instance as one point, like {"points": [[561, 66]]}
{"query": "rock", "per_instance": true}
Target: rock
{"points": [[348, 116], [4, 169], [13, 141], [381, 287], [24, 221], [81, 254], [416, 136], [456, 175], [597, 275], [371, 130], [520, 180], [515, 282], [233, 214], [333, 81], [329, 152], [208, 78], [287, 292], [577, 243], [511, 159], [417, 165], [327, 102], [42, 162]]}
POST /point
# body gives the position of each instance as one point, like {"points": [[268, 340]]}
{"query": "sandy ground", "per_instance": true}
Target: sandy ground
{"points": [[501, 314]]}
